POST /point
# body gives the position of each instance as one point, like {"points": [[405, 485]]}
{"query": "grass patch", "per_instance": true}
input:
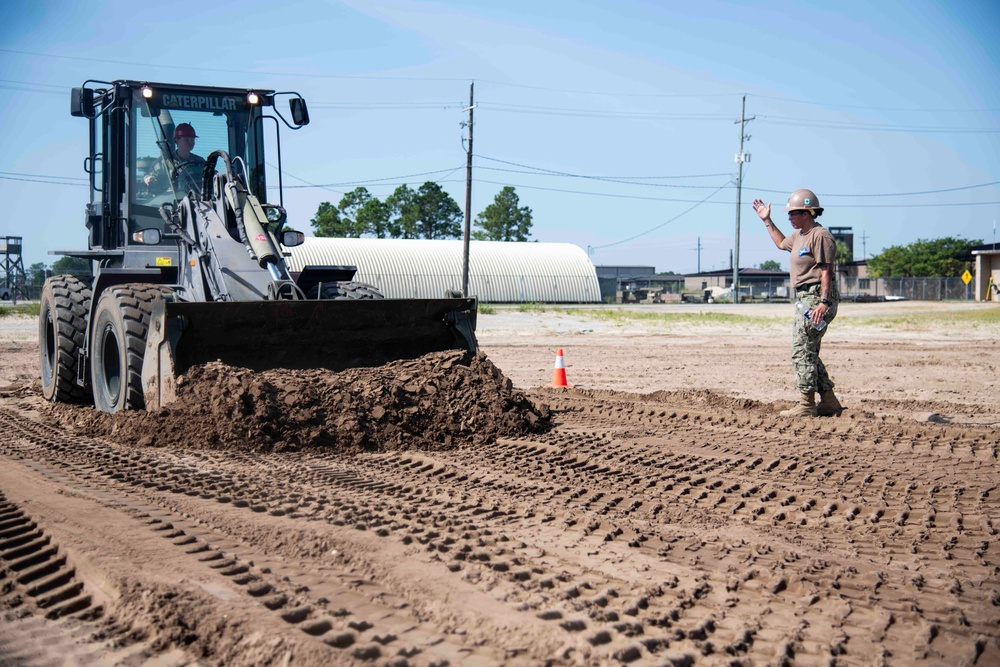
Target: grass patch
{"points": [[917, 321], [486, 309], [29, 309], [531, 308], [620, 316]]}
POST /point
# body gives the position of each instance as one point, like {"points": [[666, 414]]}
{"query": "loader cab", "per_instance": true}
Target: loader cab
{"points": [[143, 155], [171, 133]]}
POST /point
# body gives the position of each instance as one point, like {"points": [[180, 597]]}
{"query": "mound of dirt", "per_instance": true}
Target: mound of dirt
{"points": [[439, 401], [703, 397]]}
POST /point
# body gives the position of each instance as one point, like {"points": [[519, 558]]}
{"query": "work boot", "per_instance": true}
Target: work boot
{"points": [[828, 405], [806, 407]]}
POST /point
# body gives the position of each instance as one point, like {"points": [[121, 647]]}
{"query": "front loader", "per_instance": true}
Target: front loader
{"points": [[189, 265]]}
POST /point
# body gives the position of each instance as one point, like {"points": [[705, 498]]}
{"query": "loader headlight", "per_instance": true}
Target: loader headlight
{"points": [[253, 98], [147, 92]]}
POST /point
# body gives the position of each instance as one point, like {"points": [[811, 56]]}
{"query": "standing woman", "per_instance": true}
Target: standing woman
{"points": [[814, 253]]}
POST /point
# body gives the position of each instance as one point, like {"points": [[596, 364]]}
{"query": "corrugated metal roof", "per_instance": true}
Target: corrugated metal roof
{"points": [[498, 272]]}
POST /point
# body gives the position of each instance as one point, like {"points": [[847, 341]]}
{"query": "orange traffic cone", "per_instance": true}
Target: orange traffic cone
{"points": [[559, 374]]}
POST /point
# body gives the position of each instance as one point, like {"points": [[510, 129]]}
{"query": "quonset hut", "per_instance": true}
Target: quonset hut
{"points": [[499, 272]]}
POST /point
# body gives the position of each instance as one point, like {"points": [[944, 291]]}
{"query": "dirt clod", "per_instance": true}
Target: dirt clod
{"points": [[439, 401]]}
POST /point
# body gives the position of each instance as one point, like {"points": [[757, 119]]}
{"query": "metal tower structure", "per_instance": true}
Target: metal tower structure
{"points": [[12, 276]]}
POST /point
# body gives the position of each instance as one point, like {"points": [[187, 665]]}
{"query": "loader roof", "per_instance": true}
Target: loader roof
{"points": [[224, 90]]}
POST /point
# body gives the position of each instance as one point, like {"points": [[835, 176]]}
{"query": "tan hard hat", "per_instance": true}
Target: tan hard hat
{"points": [[804, 200]]}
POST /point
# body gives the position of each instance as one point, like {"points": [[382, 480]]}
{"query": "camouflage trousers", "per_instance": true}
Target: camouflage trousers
{"points": [[810, 373]]}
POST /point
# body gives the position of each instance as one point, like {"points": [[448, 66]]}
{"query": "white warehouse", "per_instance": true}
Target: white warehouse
{"points": [[499, 272]]}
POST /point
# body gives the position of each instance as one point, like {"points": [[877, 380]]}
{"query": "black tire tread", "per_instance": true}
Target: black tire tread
{"points": [[135, 303], [71, 299], [347, 290]]}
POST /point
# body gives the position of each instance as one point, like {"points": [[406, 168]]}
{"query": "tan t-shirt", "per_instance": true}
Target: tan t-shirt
{"points": [[809, 250]]}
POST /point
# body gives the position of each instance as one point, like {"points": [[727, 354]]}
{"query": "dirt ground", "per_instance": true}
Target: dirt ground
{"points": [[453, 510]]}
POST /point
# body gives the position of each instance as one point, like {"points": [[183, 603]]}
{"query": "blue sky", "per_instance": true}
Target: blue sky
{"points": [[616, 122]]}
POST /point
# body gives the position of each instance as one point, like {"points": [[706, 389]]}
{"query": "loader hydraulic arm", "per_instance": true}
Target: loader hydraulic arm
{"points": [[228, 193]]}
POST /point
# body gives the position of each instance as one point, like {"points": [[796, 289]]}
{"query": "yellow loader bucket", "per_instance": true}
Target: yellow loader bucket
{"points": [[332, 334]]}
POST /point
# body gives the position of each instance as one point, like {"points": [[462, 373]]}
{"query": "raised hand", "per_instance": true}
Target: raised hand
{"points": [[762, 209]]}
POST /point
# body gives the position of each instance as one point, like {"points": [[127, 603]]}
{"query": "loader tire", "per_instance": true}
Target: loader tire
{"points": [[118, 345], [62, 326], [344, 291]]}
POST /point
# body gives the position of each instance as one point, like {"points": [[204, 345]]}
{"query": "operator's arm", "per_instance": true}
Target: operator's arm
{"points": [[825, 281], [764, 211]]}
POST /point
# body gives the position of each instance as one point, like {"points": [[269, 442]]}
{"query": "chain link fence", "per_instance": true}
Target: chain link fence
{"points": [[919, 289]]}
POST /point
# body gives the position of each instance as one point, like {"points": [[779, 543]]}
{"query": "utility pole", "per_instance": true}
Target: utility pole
{"points": [[864, 246], [468, 195], [699, 254], [741, 157]]}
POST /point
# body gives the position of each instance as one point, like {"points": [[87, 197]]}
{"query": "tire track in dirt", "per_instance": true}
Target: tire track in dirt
{"points": [[780, 506], [355, 617], [49, 616], [953, 471], [660, 529]]}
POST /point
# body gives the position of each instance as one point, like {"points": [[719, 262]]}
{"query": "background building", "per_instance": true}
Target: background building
{"points": [[499, 272], [754, 284], [987, 273]]}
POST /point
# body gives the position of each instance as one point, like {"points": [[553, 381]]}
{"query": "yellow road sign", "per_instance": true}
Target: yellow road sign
{"points": [[966, 277]]}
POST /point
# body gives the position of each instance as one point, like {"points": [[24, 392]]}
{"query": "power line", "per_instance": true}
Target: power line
{"points": [[400, 180], [68, 178], [663, 224], [553, 172], [600, 113], [443, 178], [447, 172], [874, 127], [726, 203], [33, 83], [564, 173], [589, 193], [943, 205], [26, 87], [785, 121], [40, 180], [385, 106], [900, 194], [602, 179], [297, 178], [373, 180], [857, 106]]}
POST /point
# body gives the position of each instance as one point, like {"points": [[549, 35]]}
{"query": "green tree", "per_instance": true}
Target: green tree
{"points": [[35, 275], [364, 213], [404, 213], [427, 213], [945, 257], [504, 220], [328, 223], [72, 265], [770, 265], [374, 215], [440, 216], [843, 253]]}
